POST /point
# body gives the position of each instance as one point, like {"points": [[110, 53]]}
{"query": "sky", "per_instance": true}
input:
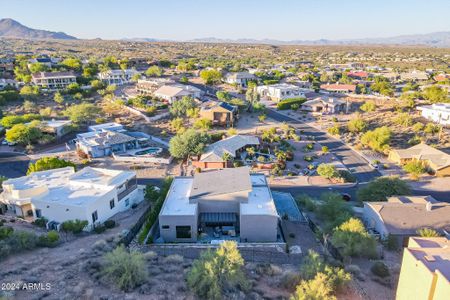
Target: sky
{"points": [[258, 19]]}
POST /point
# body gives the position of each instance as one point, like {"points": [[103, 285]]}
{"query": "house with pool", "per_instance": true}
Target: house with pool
{"points": [[227, 204], [113, 139]]}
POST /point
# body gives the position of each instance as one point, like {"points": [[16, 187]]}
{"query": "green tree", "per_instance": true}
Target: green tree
{"points": [[37, 67], [23, 134], [217, 270], [179, 108], [332, 210], [368, 106], [97, 84], [211, 76], [327, 171], [58, 98], [82, 113], [352, 239], [189, 142], [404, 119], [203, 124], [223, 96], [126, 269], [48, 163], [29, 92], [72, 64], [435, 94], [382, 86], [378, 139], [357, 125], [154, 71], [415, 168], [318, 288], [177, 124], [382, 188]]}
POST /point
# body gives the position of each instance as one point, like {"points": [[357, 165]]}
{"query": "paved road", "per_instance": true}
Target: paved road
{"points": [[361, 168], [13, 165]]}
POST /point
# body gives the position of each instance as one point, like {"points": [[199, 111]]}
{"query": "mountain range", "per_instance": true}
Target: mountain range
{"points": [[10, 28]]}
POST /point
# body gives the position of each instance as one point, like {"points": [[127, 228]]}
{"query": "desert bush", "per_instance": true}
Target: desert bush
{"points": [[334, 211], [380, 269], [22, 240], [428, 232], [173, 259], [41, 222], [99, 228], [391, 243], [48, 240], [268, 269], [109, 224], [289, 280], [216, 271], [126, 270], [327, 171], [74, 226], [352, 239], [382, 188], [287, 103]]}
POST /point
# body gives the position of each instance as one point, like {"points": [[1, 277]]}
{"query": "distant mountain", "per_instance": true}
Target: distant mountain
{"points": [[145, 40], [10, 28], [436, 39]]}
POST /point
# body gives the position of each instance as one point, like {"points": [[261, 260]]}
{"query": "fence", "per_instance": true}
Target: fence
{"points": [[127, 238], [143, 159], [263, 253], [325, 241]]}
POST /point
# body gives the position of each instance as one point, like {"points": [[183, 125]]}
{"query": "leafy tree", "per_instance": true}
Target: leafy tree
{"points": [[404, 119], [72, 64], [126, 269], [203, 124], [151, 193], [73, 88], [382, 86], [428, 232], [82, 113], [382, 188], [368, 106], [356, 125], [189, 142], [180, 107], [431, 128], [154, 71], [318, 288], [418, 127], [415, 168], [10, 121], [217, 270], [37, 67], [327, 171], [58, 98], [97, 84], [333, 210], [378, 139], [223, 96], [211, 76], [29, 92], [352, 239], [177, 124], [75, 226], [435, 94], [23, 134], [48, 163]]}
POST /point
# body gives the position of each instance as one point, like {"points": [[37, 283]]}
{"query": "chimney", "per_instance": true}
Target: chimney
{"points": [[429, 206]]}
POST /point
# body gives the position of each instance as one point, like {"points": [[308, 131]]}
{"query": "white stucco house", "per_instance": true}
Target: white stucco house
{"points": [[281, 91], [240, 78], [438, 113], [59, 195], [223, 204], [324, 105], [175, 92], [8, 83], [53, 80], [117, 77]]}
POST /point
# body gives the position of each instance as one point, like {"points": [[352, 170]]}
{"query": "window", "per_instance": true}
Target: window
{"points": [[112, 204], [38, 213], [94, 216], [127, 202], [165, 227], [183, 232]]}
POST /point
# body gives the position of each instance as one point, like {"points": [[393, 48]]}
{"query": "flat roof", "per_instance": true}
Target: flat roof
{"points": [[177, 199], [260, 202], [99, 176], [107, 126]]}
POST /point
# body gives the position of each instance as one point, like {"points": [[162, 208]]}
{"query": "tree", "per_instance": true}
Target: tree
{"points": [[216, 270], [211, 76], [179, 108], [333, 210], [404, 119], [126, 269], [154, 71], [188, 143], [73, 88], [356, 125], [58, 98], [382, 188], [378, 139], [72, 63], [37, 67], [428, 232], [203, 124], [382, 86], [97, 84], [23, 134], [48, 163], [415, 168], [334, 130], [435, 94], [352, 239], [151, 193], [368, 106], [223, 96], [82, 113], [327, 171], [177, 124], [29, 106], [318, 288], [29, 92]]}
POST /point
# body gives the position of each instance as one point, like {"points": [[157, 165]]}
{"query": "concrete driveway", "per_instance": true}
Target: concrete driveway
{"points": [[13, 164]]}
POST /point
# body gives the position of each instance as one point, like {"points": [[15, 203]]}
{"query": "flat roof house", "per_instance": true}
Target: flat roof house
{"points": [[414, 75], [175, 92], [8, 83], [149, 86], [425, 271], [57, 128], [212, 158], [59, 195], [220, 113], [117, 77], [402, 216], [218, 205], [239, 78], [281, 91], [438, 113], [53, 80], [338, 88], [437, 161], [324, 105]]}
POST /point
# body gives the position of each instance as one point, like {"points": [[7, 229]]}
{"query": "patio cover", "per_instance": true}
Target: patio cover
{"points": [[219, 217]]}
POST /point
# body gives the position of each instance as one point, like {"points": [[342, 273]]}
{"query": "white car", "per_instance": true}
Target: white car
{"points": [[4, 142]]}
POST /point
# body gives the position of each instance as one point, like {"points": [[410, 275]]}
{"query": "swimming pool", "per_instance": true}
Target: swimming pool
{"points": [[149, 151]]}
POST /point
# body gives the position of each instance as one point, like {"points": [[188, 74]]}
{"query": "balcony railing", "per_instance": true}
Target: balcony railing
{"points": [[127, 191]]}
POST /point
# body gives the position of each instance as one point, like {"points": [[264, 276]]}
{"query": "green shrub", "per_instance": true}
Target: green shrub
{"points": [[99, 228], [380, 269], [352, 239], [428, 232], [109, 224], [5, 231], [125, 269], [49, 240], [287, 103], [75, 226], [391, 243], [5, 250], [41, 222], [22, 240]]}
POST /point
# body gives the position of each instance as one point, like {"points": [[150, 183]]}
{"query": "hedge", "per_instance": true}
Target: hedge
{"points": [[287, 103]]}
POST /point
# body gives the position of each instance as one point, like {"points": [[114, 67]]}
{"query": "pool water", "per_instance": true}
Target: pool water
{"points": [[151, 151]]}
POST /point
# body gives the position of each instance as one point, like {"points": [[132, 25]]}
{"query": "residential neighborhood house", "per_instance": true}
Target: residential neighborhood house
{"points": [[438, 113], [217, 205], [117, 77], [324, 105], [220, 113], [338, 88], [175, 92], [241, 79], [53, 80], [59, 195], [281, 91]]}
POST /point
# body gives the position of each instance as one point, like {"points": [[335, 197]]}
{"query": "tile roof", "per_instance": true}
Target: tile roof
{"points": [[338, 87], [230, 145], [424, 152]]}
